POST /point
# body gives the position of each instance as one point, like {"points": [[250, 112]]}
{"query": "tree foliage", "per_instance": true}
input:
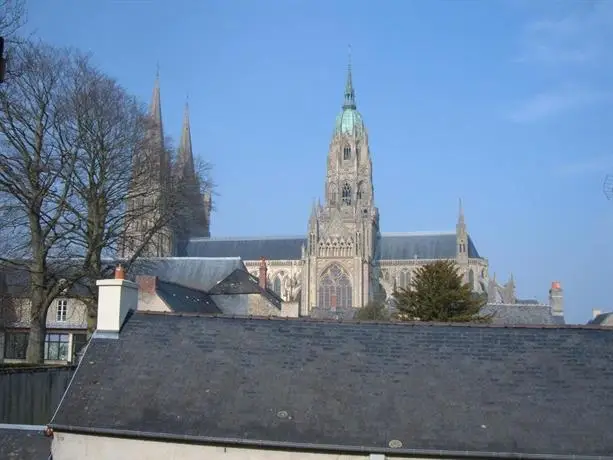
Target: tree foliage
{"points": [[438, 293], [373, 311]]}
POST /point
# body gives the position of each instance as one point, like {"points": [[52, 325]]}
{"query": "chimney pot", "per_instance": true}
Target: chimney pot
{"points": [[120, 273], [555, 285]]}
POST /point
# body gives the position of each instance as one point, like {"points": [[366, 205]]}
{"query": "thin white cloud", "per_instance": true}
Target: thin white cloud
{"points": [[592, 165], [583, 33], [556, 102]]}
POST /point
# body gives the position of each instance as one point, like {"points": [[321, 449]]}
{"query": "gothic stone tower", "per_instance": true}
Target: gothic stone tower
{"points": [[194, 221], [340, 269], [147, 197]]}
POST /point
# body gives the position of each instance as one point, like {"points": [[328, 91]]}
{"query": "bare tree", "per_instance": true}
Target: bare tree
{"points": [[12, 17], [33, 166], [121, 180]]}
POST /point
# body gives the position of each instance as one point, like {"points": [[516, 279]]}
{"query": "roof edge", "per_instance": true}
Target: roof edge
{"points": [[308, 319], [280, 445], [11, 426]]}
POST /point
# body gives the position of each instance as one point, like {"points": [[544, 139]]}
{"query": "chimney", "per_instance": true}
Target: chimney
{"points": [[263, 273], [147, 284], [595, 313], [116, 297], [556, 299]]}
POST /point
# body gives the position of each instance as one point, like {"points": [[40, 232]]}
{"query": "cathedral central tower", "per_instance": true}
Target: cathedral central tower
{"points": [[339, 272]]}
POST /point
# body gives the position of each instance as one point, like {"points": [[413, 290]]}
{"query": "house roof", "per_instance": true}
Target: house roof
{"points": [[603, 319], [446, 390], [521, 313], [24, 442], [182, 299], [242, 282], [201, 273], [394, 246]]}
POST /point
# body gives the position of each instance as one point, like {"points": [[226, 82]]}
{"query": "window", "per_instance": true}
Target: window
{"points": [[78, 342], [62, 310], [332, 195], [346, 153], [334, 289], [276, 285], [360, 191], [56, 347], [15, 345], [346, 194], [404, 279], [471, 279]]}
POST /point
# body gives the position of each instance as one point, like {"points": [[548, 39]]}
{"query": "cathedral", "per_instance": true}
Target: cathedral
{"points": [[344, 260]]}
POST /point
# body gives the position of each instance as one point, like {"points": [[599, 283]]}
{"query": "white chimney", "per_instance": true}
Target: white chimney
{"points": [[116, 297]]}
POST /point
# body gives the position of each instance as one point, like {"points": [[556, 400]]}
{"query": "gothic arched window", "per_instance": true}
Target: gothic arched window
{"points": [[471, 279], [360, 191], [346, 194], [334, 289], [332, 195], [346, 152], [276, 285], [404, 279]]}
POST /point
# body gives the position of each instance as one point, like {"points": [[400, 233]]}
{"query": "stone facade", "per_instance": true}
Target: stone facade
{"points": [[344, 261]]}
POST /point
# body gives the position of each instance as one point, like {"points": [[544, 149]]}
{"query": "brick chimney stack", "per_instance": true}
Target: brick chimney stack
{"points": [[263, 273]]}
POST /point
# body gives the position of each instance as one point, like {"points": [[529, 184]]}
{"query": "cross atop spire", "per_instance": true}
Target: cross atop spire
{"points": [[349, 92]]}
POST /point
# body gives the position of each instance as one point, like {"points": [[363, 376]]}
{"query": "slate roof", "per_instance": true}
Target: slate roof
{"points": [[447, 390], [603, 319], [394, 246], [182, 299], [521, 314], [19, 442], [242, 282], [201, 273]]}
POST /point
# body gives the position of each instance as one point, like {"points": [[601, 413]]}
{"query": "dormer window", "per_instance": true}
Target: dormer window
{"points": [[346, 152]]}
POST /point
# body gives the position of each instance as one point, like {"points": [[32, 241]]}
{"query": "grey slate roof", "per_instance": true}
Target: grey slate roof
{"points": [[182, 299], [343, 386], [201, 273], [24, 443], [394, 246], [603, 319], [521, 314], [242, 282]]}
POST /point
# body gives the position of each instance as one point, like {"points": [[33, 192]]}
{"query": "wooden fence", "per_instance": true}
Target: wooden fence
{"points": [[29, 396]]}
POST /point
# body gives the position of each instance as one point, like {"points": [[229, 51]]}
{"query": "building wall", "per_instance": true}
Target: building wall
{"points": [[68, 446]]}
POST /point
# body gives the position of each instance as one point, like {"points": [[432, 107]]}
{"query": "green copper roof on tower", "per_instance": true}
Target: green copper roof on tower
{"points": [[349, 120]]}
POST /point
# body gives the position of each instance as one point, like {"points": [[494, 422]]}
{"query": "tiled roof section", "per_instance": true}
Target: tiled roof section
{"points": [[182, 299], [404, 246], [356, 386], [201, 273], [603, 319], [273, 248], [24, 443], [394, 246], [521, 314], [242, 282]]}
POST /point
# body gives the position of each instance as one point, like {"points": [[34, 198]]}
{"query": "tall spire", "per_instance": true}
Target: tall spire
{"points": [[349, 92], [155, 110], [186, 157], [460, 213]]}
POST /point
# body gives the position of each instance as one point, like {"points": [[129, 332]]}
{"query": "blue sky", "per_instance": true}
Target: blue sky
{"points": [[507, 104]]}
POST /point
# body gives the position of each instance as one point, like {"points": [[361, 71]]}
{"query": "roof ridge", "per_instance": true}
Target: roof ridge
{"points": [[248, 238], [306, 319]]}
